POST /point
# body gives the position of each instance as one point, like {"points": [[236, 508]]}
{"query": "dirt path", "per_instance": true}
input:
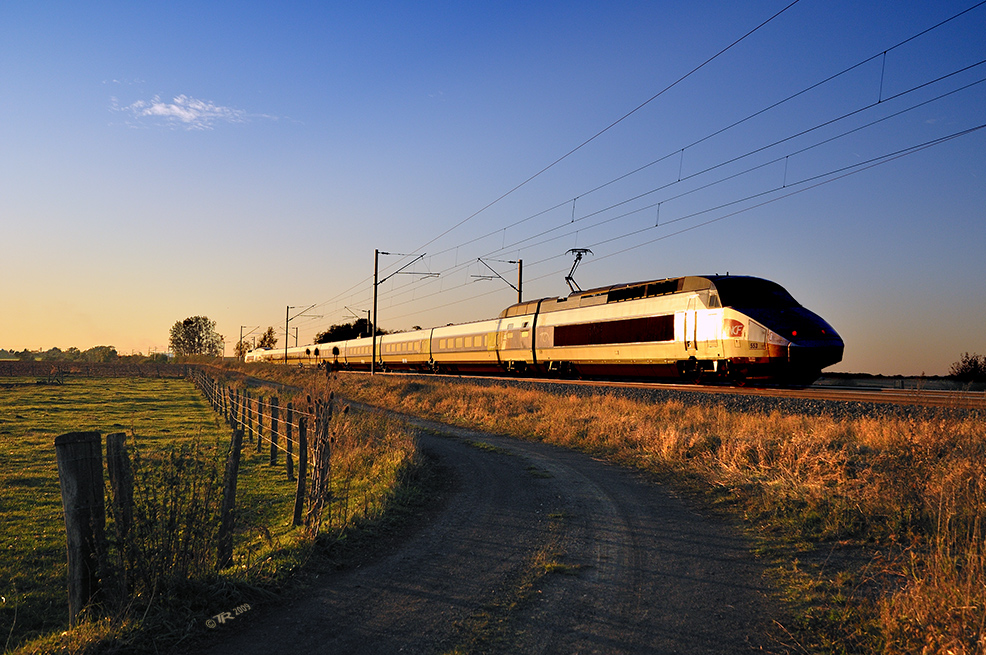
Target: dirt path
{"points": [[536, 550]]}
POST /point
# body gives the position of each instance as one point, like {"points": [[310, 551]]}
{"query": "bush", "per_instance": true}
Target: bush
{"points": [[969, 368]]}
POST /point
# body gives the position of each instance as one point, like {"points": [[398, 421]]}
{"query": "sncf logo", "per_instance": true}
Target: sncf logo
{"points": [[733, 328]]}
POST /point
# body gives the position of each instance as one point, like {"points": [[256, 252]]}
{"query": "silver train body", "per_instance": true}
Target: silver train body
{"points": [[698, 328]]}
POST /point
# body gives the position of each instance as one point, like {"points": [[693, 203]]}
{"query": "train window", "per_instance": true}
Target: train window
{"points": [[630, 293], [441, 344], [635, 330], [714, 301], [663, 288], [753, 292], [458, 342]]}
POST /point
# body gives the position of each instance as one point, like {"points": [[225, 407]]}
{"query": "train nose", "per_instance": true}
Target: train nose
{"points": [[815, 355]]}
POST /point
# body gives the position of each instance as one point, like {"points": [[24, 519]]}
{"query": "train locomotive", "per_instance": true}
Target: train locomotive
{"points": [[712, 328]]}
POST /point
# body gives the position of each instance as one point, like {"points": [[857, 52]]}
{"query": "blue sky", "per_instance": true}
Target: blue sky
{"points": [[164, 160]]}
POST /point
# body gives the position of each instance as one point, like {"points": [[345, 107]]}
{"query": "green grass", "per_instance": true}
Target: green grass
{"points": [[175, 431], [32, 542]]}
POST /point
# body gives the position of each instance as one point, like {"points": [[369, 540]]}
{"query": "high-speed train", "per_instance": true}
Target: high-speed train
{"points": [[710, 328]]}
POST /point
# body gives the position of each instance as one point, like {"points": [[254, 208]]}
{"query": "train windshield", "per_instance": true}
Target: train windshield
{"points": [[753, 292]]}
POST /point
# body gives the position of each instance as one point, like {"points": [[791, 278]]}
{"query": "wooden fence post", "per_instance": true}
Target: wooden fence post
{"points": [[273, 431], [229, 501], [289, 417], [122, 488], [121, 481], [248, 405], [299, 497], [80, 475], [260, 422], [227, 394], [241, 398]]}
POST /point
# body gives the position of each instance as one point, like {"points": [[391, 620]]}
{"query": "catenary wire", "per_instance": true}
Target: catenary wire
{"points": [[352, 291]]}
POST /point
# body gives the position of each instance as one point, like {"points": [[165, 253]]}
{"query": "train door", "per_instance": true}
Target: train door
{"points": [[691, 327]]}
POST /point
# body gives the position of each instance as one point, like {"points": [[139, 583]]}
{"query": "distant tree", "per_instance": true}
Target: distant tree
{"points": [[241, 349], [26, 355], [100, 354], [358, 328], [267, 340], [969, 368], [53, 355], [196, 335]]}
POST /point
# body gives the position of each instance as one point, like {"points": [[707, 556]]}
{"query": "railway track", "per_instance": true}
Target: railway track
{"points": [[946, 399], [922, 397]]}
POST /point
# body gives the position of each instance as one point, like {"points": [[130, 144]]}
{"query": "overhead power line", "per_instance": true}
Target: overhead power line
{"points": [[356, 289], [610, 126]]}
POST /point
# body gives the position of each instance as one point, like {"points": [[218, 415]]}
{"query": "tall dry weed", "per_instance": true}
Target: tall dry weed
{"points": [[911, 489]]}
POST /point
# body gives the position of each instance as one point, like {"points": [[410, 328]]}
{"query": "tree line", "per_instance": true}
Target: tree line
{"points": [[94, 355]]}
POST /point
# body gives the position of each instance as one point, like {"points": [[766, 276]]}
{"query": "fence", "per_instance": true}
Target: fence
{"points": [[79, 455], [281, 428]]}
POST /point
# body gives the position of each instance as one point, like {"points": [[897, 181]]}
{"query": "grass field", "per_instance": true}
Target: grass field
{"points": [[178, 447], [160, 412]]}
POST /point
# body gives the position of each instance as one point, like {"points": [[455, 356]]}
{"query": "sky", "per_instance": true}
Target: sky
{"points": [[166, 160]]}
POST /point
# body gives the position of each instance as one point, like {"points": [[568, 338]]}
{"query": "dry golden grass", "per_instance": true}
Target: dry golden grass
{"points": [[907, 496]]}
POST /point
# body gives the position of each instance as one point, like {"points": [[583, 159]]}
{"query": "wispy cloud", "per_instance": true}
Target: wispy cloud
{"points": [[182, 112]]}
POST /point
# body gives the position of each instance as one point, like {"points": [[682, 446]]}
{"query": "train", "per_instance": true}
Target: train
{"points": [[729, 329]]}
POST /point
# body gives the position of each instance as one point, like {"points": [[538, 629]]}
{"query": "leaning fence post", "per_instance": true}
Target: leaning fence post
{"points": [[273, 431], [229, 501], [289, 416], [80, 475], [299, 497]]}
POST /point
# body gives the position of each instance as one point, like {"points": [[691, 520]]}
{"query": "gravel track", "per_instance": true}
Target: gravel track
{"points": [[534, 549]]}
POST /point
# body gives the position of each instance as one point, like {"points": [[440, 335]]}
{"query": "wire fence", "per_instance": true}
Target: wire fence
{"points": [[283, 430]]}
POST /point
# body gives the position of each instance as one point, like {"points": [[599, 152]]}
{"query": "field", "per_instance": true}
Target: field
{"points": [[33, 569], [872, 526], [178, 446]]}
